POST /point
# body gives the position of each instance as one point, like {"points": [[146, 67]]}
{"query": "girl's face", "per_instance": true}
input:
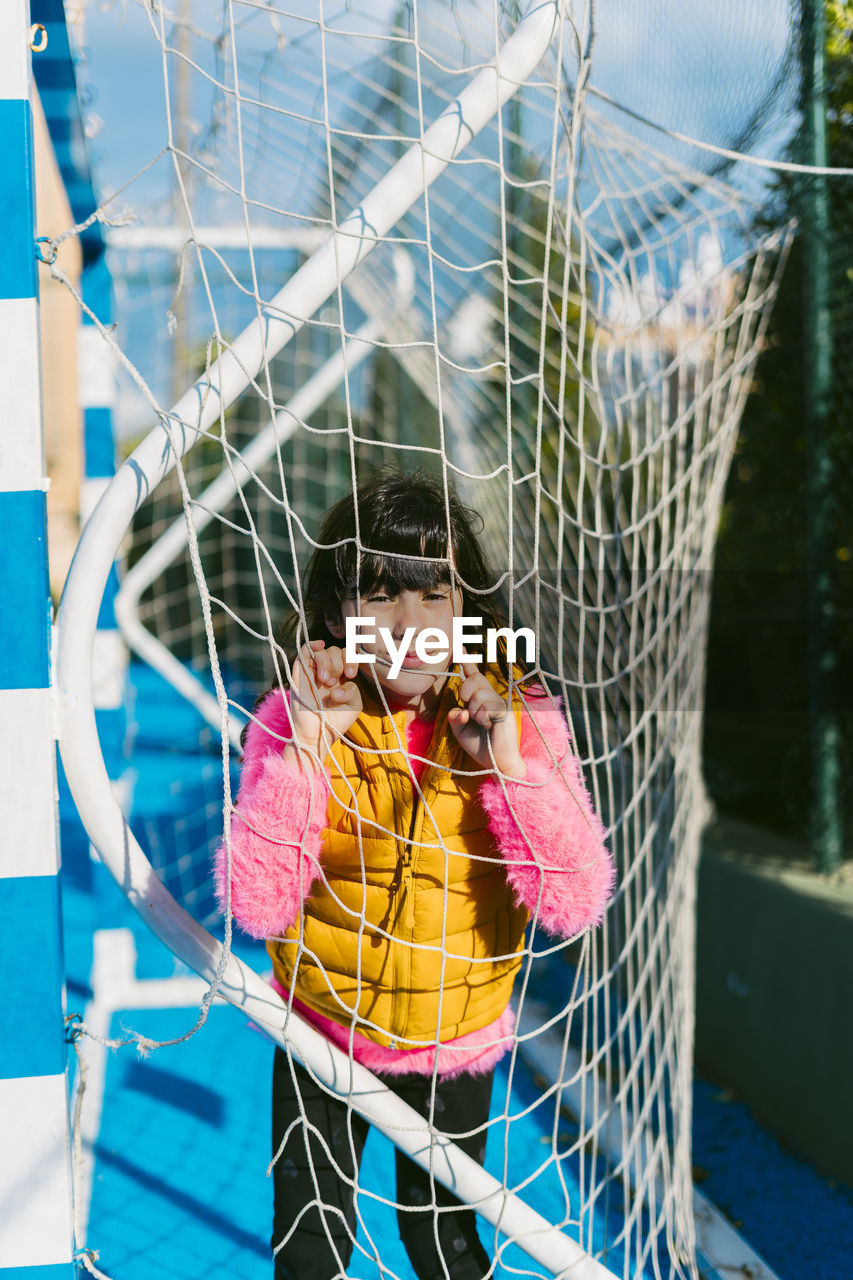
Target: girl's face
{"points": [[407, 612]]}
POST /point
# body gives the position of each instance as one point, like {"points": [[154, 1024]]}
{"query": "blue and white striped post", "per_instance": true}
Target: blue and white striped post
{"points": [[56, 77], [36, 1234], [97, 389]]}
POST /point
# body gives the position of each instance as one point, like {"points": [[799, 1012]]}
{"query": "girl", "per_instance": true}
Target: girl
{"points": [[391, 836]]}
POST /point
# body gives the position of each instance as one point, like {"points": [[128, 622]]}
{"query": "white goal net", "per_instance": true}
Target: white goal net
{"points": [[416, 234]]}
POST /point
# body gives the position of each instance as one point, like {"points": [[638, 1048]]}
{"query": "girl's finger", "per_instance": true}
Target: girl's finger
{"points": [[330, 676], [484, 700], [474, 702], [483, 717], [342, 669], [334, 665], [302, 666], [495, 707], [471, 685], [458, 717], [306, 653], [466, 690]]}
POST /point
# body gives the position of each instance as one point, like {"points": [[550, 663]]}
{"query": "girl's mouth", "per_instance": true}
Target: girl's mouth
{"points": [[411, 662]]}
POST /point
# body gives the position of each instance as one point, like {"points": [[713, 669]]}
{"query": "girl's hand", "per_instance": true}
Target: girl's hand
{"points": [[322, 681], [486, 720]]}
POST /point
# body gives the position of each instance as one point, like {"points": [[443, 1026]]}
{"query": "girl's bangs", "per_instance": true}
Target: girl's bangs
{"points": [[393, 574], [414, 550]]}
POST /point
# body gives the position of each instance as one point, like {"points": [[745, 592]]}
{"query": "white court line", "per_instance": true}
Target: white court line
{"points": [[725, 1255], [115, 987]]}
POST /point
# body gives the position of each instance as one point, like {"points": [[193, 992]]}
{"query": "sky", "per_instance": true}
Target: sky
{"points": [[665, 60], [684, 64]]}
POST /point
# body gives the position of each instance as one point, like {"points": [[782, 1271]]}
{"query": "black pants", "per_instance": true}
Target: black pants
{"points": [[305, 1176]]}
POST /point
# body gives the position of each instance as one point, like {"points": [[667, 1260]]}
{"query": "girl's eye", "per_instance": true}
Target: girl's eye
{"points": [[437, 595]]}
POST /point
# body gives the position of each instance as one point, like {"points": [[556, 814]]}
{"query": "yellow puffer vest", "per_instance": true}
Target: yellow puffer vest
{"points": [[412, 933]]}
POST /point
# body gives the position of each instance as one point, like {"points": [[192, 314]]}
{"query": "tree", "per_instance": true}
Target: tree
{"points": [[757, 725]]}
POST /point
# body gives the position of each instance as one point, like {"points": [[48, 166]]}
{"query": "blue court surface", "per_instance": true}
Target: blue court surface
{"points": [[177, 1144]]}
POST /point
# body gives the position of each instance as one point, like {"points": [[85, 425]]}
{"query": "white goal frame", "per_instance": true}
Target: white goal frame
{"points": [[194, 414]]}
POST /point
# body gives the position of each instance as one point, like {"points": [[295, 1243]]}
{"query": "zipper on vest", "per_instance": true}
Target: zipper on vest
{"points": [[408, 890], [406, 915], [406, 883]]}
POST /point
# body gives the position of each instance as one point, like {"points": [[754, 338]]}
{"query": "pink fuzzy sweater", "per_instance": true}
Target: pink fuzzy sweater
{"points": [[545, 828]]}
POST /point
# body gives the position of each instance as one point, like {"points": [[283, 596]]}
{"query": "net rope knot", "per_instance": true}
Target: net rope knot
{"points": [[38, 37], [48, 256]]}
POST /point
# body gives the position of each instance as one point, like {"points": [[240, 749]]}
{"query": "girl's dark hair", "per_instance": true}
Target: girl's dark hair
{"points": [[413, 537]]}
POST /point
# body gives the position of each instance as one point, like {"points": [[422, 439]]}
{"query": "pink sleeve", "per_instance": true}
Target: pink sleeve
{"points": [[276, 825], [547, 829]]}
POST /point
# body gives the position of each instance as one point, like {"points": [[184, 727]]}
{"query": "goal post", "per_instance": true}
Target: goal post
{"points": [[195, 413], [36, 1229], [535, 303]]}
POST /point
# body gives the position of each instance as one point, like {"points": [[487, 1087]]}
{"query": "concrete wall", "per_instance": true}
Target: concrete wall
{"points": [[774, 1014]]}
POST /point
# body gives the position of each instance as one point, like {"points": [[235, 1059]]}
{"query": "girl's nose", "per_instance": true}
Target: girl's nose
{"points": [[405, 616]]}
